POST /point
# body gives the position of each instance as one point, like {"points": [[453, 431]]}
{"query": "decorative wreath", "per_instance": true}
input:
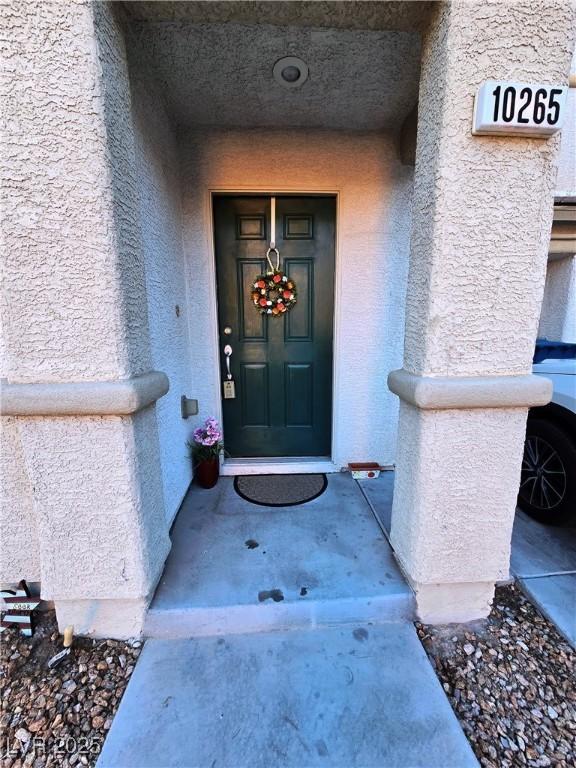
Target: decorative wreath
{"points": [[273, 293]]}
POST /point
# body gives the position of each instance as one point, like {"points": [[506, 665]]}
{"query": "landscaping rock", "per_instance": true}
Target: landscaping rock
{"points": [[511, 683], [59, 717]]}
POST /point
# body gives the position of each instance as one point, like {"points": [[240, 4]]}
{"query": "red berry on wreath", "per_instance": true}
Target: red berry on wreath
{"points": [[261, 284], [286, 294], [277, 278], [263, 302]]}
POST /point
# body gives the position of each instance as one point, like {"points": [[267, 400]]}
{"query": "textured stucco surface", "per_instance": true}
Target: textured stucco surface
{"points": [[75, 307], [157, 167], [482, 205], [19, 546], [481, 225], [558, 315], [73, 268], [457, 478], [98, 504], [566, 180], [221, 74], [373, 226]]}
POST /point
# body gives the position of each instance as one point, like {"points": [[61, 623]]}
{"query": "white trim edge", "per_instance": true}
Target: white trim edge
{"points": [[83, 398], [278, 466], [452, 392]]}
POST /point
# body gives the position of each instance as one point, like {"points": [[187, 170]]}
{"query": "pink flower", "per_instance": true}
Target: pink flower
{"points": [[209, 435]]}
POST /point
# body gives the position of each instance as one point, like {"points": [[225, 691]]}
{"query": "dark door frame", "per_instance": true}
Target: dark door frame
{"points": [[290, 464]]}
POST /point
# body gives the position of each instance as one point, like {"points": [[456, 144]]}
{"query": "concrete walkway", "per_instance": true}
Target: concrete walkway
{"points": [[342, 697], [287, 641], [544, 562]]}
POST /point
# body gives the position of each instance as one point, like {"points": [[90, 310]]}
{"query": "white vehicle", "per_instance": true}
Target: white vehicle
{"points": [[548, 485]]}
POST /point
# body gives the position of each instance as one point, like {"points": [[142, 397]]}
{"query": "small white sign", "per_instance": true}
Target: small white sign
{"points": [[511, 109]]}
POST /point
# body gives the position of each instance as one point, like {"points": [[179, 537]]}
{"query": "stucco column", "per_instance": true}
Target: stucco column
{"points": [[78, 390], [481, 225]]}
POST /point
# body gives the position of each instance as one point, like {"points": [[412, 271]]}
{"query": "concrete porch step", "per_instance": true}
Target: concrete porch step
{"points": [[202, 621], [350, 696], [236, 567]]}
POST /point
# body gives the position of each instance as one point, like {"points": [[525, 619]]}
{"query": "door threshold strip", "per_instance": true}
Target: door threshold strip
{"points": [[279, 466]]}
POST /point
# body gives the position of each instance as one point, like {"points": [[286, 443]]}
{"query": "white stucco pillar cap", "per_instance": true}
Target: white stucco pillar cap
{"points": [[460, 392], [83, 398]]}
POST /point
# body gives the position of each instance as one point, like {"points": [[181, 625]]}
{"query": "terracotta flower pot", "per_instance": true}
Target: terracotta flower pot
{"points": [[207, 472]]}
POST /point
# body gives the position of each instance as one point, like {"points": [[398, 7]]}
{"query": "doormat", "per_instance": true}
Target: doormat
{"points": [[280, 490]]}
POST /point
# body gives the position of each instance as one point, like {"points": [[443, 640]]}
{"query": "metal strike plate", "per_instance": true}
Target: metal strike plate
{"points": [[188, 406]]}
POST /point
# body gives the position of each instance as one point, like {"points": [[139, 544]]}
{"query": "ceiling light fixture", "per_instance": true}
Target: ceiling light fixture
{"points": [[290, 71]]}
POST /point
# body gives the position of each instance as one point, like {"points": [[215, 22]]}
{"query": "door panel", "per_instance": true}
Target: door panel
{"points": [[299, 322], [282, 366], [299, 394], [254, 392], [251, 325]]}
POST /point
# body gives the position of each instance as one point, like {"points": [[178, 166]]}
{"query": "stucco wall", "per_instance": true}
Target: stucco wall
{"points": [[566, 179], [19, 545], [161, 226], [69, 192], [373, 238], [482, 215], [85, 490], [558, 315], [470, 193]]}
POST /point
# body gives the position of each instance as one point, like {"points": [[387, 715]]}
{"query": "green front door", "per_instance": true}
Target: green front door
{"points": [[281, 365]]}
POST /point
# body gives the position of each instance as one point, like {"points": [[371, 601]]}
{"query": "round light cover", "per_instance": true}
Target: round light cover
{"points": [[290, 71]]}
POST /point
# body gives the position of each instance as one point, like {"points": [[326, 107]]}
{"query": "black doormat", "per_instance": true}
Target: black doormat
{"points": [[280, 490]]}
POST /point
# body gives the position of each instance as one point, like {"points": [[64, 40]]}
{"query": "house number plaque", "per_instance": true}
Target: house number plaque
{"points": [[508, 108]]}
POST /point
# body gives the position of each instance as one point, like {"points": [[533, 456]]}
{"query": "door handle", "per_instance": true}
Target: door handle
{"points": [[228, 354]]}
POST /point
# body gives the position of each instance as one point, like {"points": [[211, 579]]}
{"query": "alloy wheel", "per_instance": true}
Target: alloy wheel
{"points": [[543, 480]]}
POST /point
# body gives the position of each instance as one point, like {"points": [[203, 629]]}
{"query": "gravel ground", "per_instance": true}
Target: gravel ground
{"points": [[59, 717], [511, 683]]}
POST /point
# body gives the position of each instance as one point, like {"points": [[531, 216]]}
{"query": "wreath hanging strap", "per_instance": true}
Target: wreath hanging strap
{"points": [[273, 293]]}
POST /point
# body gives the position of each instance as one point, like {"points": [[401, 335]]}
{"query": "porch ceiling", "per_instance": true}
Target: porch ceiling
{"points": [[220, 73], [368, 14]]}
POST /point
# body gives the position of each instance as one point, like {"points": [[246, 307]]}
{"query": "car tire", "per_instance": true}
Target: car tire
{"points": [[548, 481]]}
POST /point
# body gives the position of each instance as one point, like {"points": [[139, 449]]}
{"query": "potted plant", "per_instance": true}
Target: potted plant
{"points": [[205, 451]]}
